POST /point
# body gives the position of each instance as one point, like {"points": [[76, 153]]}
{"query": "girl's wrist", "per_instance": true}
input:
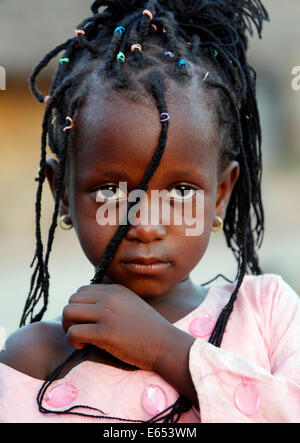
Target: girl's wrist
{"points": [[172, 363]]}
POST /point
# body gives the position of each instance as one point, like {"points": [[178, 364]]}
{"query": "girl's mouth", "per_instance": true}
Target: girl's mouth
{"points": [[141, 268]]}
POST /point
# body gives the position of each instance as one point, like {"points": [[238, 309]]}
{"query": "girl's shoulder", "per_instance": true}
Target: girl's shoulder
{"points": [[268, 296], [264, 287], [36, 349]]}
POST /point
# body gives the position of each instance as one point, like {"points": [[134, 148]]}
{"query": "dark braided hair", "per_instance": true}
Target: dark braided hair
{"points": [[211, 36]]}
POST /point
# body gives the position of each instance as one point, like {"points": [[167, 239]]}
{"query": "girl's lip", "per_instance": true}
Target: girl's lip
{"points": [[153, 268]]}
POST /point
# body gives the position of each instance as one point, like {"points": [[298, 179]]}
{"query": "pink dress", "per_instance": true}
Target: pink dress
{"points": [[253, 378]]}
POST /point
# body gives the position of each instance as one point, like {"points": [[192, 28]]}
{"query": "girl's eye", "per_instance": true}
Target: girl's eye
{"points": [[110, 193], [183, 193]]}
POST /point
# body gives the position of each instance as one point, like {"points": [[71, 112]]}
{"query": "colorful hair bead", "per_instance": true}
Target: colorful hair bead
{"points": [[215, 53], [154, 27], [164, 116], [64, 60], [182, 62], [136, 46], [169, 53], [149, 13], [121, 57], [47, 98], [205, 77], [71, 124], [119, 29], [79, 31]]}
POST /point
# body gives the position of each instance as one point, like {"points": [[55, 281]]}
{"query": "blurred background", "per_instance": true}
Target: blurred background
{"points": [[29, 29]]}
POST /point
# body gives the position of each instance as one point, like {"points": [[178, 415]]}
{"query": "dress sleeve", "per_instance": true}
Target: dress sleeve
{"points": [[234, 389]]}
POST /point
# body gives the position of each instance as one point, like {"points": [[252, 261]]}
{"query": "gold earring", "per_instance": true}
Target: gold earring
{"points": [[220, 227], [63, 224]]}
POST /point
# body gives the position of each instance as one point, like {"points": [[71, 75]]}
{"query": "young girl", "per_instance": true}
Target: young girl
{"points": [[157, 95]]}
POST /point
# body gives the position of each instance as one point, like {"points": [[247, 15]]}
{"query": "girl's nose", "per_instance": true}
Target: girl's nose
{"points": [[147, 223], [146, 233]]}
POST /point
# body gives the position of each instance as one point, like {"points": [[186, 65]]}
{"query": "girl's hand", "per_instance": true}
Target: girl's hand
{"points": [[115, 319]]}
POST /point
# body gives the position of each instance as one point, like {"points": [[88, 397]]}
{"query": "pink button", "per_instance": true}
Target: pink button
{"points": [[247, 398], [202, 326], [62, 394], [154, 400]]}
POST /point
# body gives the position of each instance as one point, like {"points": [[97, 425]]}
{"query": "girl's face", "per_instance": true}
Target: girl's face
{"points": [[115, 140]]}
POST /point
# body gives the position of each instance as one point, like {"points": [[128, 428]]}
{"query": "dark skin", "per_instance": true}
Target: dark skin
{"points": [[129, 317]]}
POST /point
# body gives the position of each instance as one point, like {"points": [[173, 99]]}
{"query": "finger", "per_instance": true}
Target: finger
{"points": [[80, 335], [78, 313], [89, 294]]}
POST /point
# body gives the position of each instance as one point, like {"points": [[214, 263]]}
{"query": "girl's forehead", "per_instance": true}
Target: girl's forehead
{"points": [[115, 125]]}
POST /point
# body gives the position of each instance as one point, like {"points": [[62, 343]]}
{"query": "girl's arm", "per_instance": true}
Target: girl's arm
{"points": [[233, 388], [113, 318], [35, 349]]}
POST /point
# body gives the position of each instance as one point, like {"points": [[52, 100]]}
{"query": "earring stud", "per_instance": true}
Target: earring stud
{"points": [[220, 227], [62, 223]]}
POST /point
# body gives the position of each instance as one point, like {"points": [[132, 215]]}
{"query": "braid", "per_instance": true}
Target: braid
{"points": [[210, 34]]}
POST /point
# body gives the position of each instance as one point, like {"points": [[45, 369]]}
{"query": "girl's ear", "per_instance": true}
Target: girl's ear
{"points": [[226, 184], [52, 175]]}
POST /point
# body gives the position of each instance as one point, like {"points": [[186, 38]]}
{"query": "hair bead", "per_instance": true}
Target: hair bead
{"points": [[149, 13], [119, 29], [169, 53], [79, 31], [71, 124], [164, 116], [182, 62], [64, 60], [205, 77], [136, 46], [121, 57]]}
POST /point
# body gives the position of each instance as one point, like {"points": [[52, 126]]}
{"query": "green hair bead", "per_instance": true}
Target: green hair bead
{"points": [[121, 57], [64, 60]]}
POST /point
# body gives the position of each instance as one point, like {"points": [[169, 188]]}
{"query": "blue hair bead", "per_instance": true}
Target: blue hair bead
{"points": [[119, 29], [182, 62]]}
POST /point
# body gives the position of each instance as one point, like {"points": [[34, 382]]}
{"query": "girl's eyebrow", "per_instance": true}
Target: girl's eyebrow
{"points": [[112, 173]]}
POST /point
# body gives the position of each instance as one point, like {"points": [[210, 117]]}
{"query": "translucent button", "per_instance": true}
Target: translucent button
{"points": [[62, 394], [202, 326], [154, 399], [247, 397]]}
